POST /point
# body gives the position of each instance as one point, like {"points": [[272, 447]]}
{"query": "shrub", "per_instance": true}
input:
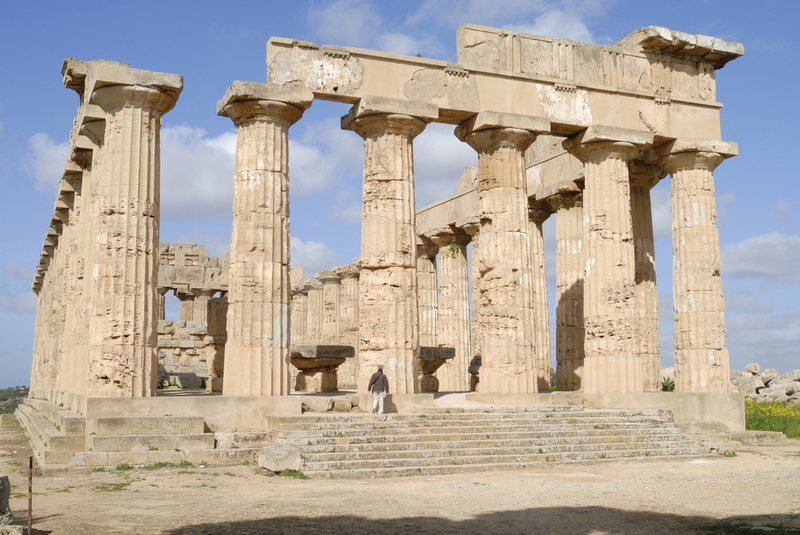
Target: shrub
{"points": [[773, 417]]}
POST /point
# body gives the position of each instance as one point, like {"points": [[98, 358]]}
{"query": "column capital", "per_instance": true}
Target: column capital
{"points": [[114, 97], [564, 200], [247, 101], [445, 236], [298, 289], [470, 225], [600, 141], [644, 174], [691, 153], [328, 277], [539, 211], [426, 248], [489, 131], [347, 271]]}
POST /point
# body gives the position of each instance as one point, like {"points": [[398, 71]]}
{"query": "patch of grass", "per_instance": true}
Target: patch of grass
{"points": [[19, 495], [155, 466], [99, 469], [293, 473], [65, 489], [245, 463], [187, 472], [267, 473], [124, 466], [113, 487], [773, 417], [731, 528]]}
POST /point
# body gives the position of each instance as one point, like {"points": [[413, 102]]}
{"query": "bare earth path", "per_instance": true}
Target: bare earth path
{"points": [[759, 487]]}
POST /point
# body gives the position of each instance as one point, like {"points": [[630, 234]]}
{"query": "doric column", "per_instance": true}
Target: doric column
{"points": [[453, 311], [426, 287], [538, 212], [643, 178], [472, 227], [504, 256], [388, 313], [314, 312], [330, 306], [299, 300], [186, 310], [162, 303], [611, 362], [701, 356], [569, 289], [125, 209], [257, 352], [348, 321]]}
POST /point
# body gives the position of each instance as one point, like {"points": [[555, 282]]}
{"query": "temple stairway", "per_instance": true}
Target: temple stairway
{"points": [[446, 440]]}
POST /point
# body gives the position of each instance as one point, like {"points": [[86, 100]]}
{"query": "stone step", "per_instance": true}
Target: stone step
{"points": [[526, 442], [51, 437], [434, 433], [460, 460], [428, 471], [130, 443], [148, 425], [112, 459], [458, 451], [68, 421]]}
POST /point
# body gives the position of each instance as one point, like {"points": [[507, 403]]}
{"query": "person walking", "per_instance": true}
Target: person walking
{"points": [[379, 386]]}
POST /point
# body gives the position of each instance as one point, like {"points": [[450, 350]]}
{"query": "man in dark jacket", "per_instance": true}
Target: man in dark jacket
{"points": [[379, 386]]}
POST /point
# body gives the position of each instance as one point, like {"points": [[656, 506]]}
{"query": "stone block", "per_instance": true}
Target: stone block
{"points": [[768, 375], [317, 404], [750, 384], [753, 368], [5, 510], [280, 456], [342, 405]]}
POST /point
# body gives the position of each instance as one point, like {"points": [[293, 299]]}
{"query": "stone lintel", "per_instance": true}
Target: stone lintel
{"points": [[443, 236], [435, 353], [373, 105], [347, 270], [105, 73], [682, 45], [559, 188], [322, 351], [725, 149], [492, 119], [240, 91]]}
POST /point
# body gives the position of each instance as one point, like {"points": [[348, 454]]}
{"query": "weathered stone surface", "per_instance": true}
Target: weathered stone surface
{"points": [[753, 368], [280, 456], [317, 404], [768, 375], [5, 492]]}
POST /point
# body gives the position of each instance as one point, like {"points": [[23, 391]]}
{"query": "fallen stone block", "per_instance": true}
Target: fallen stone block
{"points": [[5, 494], [280, 456]]}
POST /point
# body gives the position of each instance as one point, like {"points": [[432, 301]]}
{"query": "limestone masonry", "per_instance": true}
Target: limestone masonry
{"points": [[561, 129]]}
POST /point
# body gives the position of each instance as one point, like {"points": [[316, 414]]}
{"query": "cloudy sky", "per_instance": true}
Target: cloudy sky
{"points": [[212, 45]]}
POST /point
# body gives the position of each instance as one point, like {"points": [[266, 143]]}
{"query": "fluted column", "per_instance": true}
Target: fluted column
{"points": [[186, 310], [330, 306], [348, 321], [611, 362], [503, 309], [701, 356], [426, 283], [388, 312], [472, 227], [538, 212], [299, 300], [453, 312], [643, 178], [125, 208], [569, 290], [314, 311], [257, 352]]}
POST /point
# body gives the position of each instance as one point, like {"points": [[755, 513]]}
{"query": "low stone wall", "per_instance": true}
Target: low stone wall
{"points": [[766, 385]]}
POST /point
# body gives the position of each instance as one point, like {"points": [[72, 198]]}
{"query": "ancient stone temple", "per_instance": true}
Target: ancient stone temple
{"points": [[560, 129]]}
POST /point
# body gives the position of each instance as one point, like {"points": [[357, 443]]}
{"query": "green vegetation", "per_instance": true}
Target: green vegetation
{"points": [[11, 397], [112, 487], [667, 385], [293, 473], [773, 417]]}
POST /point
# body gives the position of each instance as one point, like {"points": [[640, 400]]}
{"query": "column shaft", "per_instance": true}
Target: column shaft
{"points": [[538, 213], [426, 282], [257, 351]]}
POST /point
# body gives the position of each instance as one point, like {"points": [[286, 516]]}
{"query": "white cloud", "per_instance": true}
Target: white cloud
{"points": [[661, 210], [196, 173], [347, 207], [439, 161], [770, 256], [15, 293], [399, 43], [772, 340], [324, 156], [556, 23], [781, 211], [45, 161], [314, 256], [346, 23]]}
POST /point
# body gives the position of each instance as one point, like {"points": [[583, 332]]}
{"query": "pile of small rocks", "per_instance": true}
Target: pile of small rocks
{"points": [[767, 385]]}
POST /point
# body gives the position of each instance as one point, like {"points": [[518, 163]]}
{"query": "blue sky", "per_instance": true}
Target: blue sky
{"points": [[212, 45]]}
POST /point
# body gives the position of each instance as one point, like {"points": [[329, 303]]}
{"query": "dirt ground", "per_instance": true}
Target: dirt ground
{"points": [[759, 487]]}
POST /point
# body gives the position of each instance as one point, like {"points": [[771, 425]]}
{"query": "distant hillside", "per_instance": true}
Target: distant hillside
{"points": [[11, 397]]}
